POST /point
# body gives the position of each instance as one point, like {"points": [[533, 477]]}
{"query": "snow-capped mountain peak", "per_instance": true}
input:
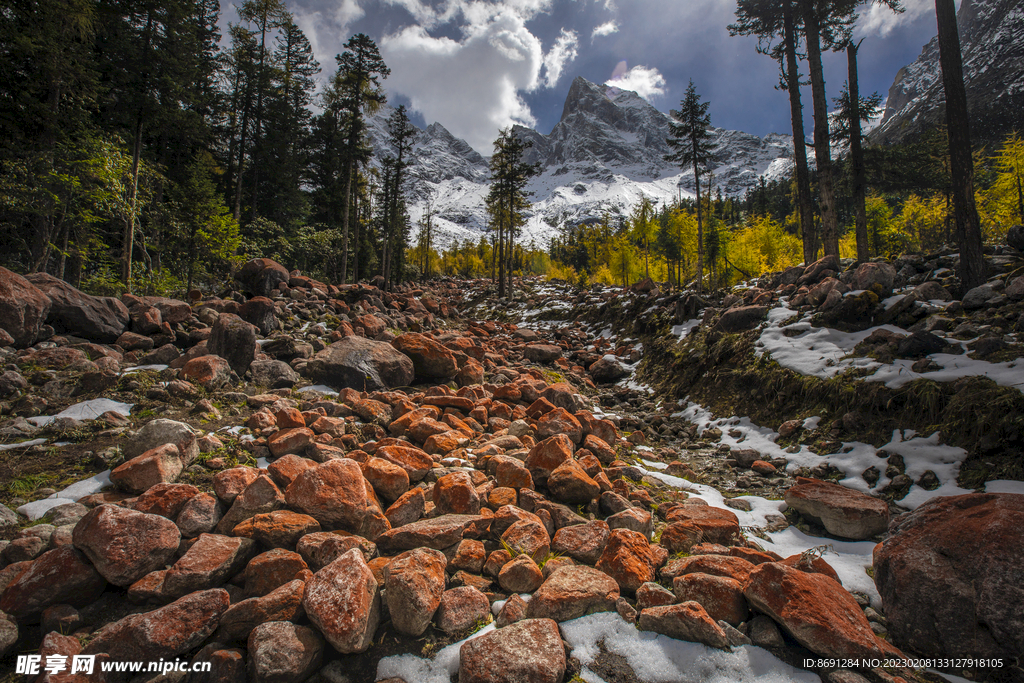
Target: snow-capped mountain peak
{"points": [[605, 153]]}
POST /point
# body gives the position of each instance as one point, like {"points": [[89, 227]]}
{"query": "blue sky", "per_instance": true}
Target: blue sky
{"points": [[477, 65]]}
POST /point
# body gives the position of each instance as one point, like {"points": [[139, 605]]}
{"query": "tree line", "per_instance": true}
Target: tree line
{"points": [[139, 150], [790, 29]]}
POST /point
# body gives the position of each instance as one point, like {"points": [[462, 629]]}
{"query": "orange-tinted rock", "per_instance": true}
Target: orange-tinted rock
{"points": [[455, 494], [438, 533], [457, 402], [125, 545], [528, 650], [653, 595], [721, 597], [529, 537], [373, 412], [520, 575], [948, 573], [716, 524], [282, 604], [500, 496], [445, 442], [560, 421], [166, 500], [278, 529], [426, 427], [155, 466], [569, 484], [413, 460], [843, 512], [413, 584], [461, 608], [321, 548], [292, 440], [547, 455], [163, 633], [571, 592], [289, 418], [686, 621], [210, 372], [400, 425], [261, 496], [332, 426], [627, 558], [469, 556], [430, 359], [716, 565], [343, 602], [407, 509], [472, 372], [679, 537], [59, 576], [270, 570], [582, 542], [815, 610], [814, 565], [388, 479], [209, 562], [285, 469], [334, 493], [227, 484], [599, 448]]}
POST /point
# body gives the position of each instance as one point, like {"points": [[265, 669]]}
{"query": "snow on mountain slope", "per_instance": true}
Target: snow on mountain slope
{"points": [[992, 45], [605, 153]]}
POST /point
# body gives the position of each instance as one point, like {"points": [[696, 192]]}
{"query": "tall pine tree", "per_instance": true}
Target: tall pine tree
{"points": [[692, 142]]}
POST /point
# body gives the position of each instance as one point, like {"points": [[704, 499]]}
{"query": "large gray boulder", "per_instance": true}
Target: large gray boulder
{"points": [[234, 340], [23, 308], [361, 364], [949, 575], [96, 318]]}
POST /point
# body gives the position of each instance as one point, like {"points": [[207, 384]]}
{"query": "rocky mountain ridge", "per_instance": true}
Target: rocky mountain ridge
{"points": [[605, 153], [992, 46]]}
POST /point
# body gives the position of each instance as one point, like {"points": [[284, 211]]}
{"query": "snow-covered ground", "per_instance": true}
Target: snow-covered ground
{"points": [[825, 352]]}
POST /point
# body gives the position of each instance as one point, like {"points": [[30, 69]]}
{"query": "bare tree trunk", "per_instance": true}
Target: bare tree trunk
{"points": [[803, 176], [968, 230], [857, 156], [128, 243], [822, 152], [344, 220]]}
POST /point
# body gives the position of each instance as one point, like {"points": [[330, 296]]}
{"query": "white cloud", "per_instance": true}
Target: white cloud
{"points": [[605, 29], [645, 82], [879, 20], [564, 50], [471, 85]]}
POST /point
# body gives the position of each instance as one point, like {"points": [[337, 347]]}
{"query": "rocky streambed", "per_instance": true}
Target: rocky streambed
{"points": [[309, 482]]}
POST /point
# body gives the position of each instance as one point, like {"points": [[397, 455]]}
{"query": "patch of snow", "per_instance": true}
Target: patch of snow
{"points": [[1004, 486], [440, 669], [86, 410], [23, 444], [322, 388], [681, 331], [38, 508], [954, 367], [919, 453], [86, 487], [141, 368], [660, 659]]}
